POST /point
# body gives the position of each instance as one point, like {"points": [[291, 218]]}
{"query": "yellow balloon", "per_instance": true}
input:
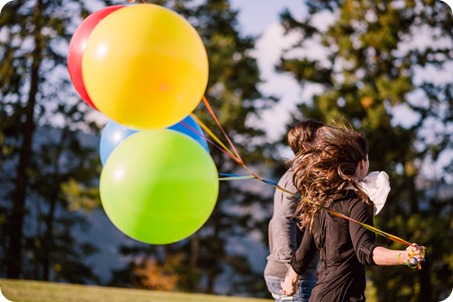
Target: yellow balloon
{"points": [[145, 67]]}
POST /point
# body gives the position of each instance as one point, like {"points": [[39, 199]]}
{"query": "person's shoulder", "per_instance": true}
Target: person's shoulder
{"points": [[351, 199], [358, 204], [288, 176], [286, 181]]}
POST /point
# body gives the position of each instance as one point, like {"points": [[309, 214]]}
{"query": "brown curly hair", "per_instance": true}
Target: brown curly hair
{"points": [[325, 171]]}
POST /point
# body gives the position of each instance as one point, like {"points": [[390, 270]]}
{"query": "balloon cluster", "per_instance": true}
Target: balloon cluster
{"points": [[146, 68]]}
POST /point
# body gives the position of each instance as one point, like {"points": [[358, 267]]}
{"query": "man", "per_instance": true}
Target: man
{"points": [[284, 231]]}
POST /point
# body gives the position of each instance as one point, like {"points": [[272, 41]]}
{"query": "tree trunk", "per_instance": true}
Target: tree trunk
{"points": [[218, 250], [193, 260], [47, 243], [425, 282], [14, 253]]}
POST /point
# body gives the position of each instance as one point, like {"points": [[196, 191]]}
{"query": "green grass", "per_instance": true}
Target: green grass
{"points": [[38, 291]]}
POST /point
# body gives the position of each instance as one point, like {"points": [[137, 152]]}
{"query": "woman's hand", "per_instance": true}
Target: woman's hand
{"points": [[415, 253], [290, 282]]}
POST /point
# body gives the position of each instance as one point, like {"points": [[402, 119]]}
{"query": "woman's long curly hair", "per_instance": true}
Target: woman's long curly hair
{"points": [[325, 170]]}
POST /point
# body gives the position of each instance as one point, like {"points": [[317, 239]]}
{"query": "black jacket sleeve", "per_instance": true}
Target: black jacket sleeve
{"points": [[362, 238], [304, 254]]}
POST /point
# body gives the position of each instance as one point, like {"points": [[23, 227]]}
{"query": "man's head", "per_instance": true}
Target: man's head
{"points": [[303, 132]]}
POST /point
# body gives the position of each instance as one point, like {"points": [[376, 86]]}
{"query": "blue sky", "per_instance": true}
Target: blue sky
{"points": [[260, 18], [256, 15]]}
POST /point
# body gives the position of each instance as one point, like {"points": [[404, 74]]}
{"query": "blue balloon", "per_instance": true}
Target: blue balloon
{"points": [[190, 127], [112, 135]]}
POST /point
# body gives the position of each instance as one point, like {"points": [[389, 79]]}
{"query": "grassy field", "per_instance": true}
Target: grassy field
{"points": [[36, 291]]}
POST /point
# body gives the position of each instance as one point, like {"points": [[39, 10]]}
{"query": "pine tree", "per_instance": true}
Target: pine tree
{"points": [[373, 75], [37, 226]]}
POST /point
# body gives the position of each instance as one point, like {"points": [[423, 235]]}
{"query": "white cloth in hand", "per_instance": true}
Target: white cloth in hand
{"points": [[377, 186]]}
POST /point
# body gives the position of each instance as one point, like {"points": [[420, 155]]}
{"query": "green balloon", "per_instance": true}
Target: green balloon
{"points": [[159, 186]]}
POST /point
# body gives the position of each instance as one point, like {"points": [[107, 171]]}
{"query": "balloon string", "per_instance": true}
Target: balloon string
{"points": [[211, 111], [229, 176], [238, 159], [236, 177], [371, 228], [222, 147], [367, 226], [211, 134]]}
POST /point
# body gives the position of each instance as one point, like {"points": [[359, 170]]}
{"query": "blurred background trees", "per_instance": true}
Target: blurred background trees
{"points": [[36, 97], [381, 68], [380, 65], [50, 159]]}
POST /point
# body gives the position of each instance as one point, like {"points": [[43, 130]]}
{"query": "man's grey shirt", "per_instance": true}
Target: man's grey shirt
{"points": [[284, 233]]}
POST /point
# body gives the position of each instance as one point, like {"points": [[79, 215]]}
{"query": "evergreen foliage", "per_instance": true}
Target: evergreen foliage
{"points": [[37, 222], [380, 64]]}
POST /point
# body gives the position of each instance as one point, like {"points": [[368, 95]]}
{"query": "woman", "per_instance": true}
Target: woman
{"points": [[329, 174]]}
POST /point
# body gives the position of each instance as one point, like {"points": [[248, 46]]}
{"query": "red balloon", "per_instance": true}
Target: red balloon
{"points": [[77, 47]]}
